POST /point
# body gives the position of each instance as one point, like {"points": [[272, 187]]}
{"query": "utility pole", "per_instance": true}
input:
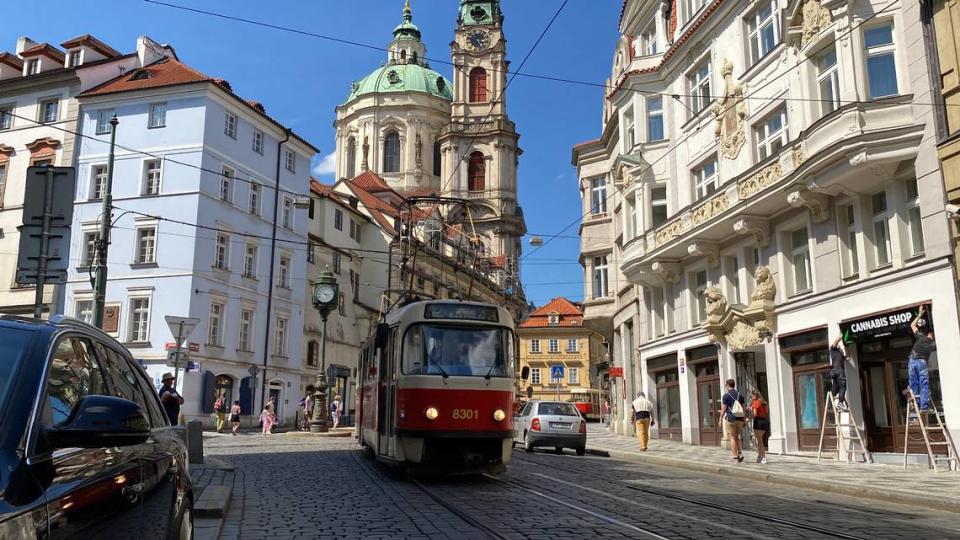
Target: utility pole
{"points": [[44, 241], [103, 239]]}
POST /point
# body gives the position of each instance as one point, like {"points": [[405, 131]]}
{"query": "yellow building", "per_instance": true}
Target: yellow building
{"points": [[554, 335]]}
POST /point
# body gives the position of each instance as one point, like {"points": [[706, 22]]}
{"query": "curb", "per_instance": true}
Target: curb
{"points": [[321, 435], [877, 494]]}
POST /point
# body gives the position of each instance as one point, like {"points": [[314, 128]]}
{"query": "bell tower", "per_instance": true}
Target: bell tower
{"points": [[480, 147]]}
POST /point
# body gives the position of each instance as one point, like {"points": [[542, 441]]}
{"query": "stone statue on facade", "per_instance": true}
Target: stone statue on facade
{"points": [[716, 303], [741, 327], [365, 164], [815, 19], [419, 151], [765, 290], [729, 113]]}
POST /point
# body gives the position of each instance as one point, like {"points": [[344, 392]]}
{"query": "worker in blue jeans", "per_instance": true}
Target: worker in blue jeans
{"points": [[918, 376]]}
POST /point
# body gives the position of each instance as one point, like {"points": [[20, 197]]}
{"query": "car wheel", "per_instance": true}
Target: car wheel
{"points": [[558, 450], [527, 443], [186, 525], [581, 451]]}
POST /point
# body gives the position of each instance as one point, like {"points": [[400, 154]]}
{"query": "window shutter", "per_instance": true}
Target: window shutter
{"points": [[246, 395], [209, 387]]}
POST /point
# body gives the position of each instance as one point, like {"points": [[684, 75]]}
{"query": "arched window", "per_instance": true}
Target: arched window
{"points": [[403, 57], [436, 159], [476, 172], [416, 57], [391, 152], [312, 353], [478, 85], [351, 157]]}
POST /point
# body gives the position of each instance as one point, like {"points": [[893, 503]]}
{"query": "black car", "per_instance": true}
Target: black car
{"points": [[86, 450]]}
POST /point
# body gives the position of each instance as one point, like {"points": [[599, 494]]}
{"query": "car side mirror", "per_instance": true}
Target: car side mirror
{"points": [[524, 373], [380, 340], [101, 421]]}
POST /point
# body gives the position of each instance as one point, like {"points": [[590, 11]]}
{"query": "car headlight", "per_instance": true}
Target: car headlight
{"points": [[431, 413], [499, 415]]}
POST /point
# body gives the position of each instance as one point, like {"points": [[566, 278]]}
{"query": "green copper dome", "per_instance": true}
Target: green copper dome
{"points": [[402, 78]]}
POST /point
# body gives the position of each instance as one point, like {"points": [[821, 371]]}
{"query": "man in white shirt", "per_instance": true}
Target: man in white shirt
{"points": [[643, 419]]}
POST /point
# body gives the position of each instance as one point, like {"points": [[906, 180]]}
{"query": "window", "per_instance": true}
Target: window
{"points": [[478, 85], [99, 182], [391, 152], [828, 81], [598, 195], [763, 28], [253, 204], [700, 284], [313, 353], [658, 205], [437, 159], [74, 374], [535, 345], [476, 172], [353, 228], [336, 263], [290, 161], [692, 7], [338, 219], [771, 134], [631, 202], [653, 297], [648, 40], [600, 277], [283, 273], [286, 219], [654, 119], [90, 249], [706, 180], [311, 253], [250, 261], [535, 376], [215, 325], [3, 181], [848, 240], [221, 258], [573, 375], [151, 177], [800, 259], [342, 305], [103, 121], [146, 245], [356, 287], [881, 229], [881, 64], [733, 279], [33, 66], [572, 345], [698, 85], [553, 319], [158, 115], [914, 223], [49, 110], [257, 141], [83, 310], [553, 345], [351, 157], [629, 131], [230, 125], [246, 323], [73, 59], [6, 117], [139, 320], [226, 184]]}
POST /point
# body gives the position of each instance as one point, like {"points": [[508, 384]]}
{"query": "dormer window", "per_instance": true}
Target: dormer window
{"points": [[553, 319], [140, 74], [73, 59], [33, 66]]}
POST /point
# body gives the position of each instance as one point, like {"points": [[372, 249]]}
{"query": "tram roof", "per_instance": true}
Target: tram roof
{"points": [[417, 311]]}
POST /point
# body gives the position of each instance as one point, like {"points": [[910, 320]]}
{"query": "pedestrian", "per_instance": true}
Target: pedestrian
{"points": [[220, 409], [643, 419], [170, 399], [838, 376], [917, 374], [761, 424], [336, 410], [307, 403], [605, 412], [235, 417], [733, 413], [267, 418]]}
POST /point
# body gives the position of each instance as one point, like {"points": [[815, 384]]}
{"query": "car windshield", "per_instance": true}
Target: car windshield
{"points": [[13, 345], [458, 350], [558, 409]]}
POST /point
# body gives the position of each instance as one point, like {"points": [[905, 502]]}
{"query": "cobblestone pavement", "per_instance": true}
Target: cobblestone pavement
{"points": [[296, 487]]}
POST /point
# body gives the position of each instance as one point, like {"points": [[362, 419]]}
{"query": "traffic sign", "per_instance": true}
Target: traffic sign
{"points": [[181, 327], [556, 372], [45, 233], [172, 359]]}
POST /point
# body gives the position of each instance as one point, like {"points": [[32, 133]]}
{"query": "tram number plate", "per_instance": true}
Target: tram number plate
{"points": [[466, 414], [560, 425]]}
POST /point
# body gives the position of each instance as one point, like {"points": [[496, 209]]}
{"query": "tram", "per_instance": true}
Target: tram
{"points": [[436, 387], [587, 401]]}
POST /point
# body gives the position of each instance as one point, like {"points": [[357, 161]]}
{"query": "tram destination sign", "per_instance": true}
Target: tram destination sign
{"points": [[469, 312], [880, 325]]}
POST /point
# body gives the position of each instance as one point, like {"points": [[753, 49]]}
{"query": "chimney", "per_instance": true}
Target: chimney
{"points": [[149, 51], [24, 43]]}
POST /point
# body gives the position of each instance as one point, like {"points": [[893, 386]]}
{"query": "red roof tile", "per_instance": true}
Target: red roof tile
{"points": [[570, 314], [11, 60], [320, 189], [93, 43], [369, 181], [45, 49]]}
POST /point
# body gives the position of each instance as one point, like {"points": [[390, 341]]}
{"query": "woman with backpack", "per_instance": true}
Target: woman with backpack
{"points": [[733, 412], [220, 408]]}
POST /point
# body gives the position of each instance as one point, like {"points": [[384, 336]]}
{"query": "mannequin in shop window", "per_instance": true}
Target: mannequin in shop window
{"points": [[923, 346]]}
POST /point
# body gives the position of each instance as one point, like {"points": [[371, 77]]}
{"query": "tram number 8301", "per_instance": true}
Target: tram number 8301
{"points": [[466, 414]]}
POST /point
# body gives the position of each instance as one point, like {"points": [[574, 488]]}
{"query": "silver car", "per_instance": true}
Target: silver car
{"points": [[550, 423]]}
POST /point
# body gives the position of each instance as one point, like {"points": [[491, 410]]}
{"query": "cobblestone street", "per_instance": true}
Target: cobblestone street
{"points": [[298, 487]]}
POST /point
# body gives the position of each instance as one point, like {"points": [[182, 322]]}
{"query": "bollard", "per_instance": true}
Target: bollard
{"points": [[195, 442]]}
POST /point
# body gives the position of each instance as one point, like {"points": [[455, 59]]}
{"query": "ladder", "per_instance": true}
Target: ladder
{"points": [[921, 419], [845, 442]]}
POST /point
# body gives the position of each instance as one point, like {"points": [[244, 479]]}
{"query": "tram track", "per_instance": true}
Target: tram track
{"points": [[697, 502]]}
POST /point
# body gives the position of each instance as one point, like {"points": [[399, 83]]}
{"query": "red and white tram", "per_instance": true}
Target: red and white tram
{"points": [[436, 387]]}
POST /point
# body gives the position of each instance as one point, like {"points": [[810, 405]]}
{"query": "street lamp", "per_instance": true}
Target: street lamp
{"points": [[325, 297]]}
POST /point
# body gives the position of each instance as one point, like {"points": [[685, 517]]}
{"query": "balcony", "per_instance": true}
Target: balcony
{"points": [[855, 149]]}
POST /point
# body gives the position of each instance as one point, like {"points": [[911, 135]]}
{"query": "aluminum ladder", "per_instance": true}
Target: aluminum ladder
{"points": [[832, 419], [921, 419]]}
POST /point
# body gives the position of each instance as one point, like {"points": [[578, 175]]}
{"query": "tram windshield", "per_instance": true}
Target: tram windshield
{"points": [[456, 350]]}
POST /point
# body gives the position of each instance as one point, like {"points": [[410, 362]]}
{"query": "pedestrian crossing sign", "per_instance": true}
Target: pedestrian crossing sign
{"points": [[556, 372]]}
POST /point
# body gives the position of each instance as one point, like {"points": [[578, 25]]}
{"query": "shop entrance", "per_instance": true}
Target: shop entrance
{"points": [[668, 403], [810, 364], [703, 362]]}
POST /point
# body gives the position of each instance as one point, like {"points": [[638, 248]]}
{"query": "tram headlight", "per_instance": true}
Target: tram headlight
{"points": [[499, 415], [431, 413]]}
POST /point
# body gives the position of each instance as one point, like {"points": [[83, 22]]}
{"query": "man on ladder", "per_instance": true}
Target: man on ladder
{"points": [[918, 376], [838, 377]]}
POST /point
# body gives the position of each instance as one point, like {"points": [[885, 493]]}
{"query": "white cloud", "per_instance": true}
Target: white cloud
{"points": [[326, 166]]}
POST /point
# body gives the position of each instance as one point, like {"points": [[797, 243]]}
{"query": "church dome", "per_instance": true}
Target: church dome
{"points": [[402, 78]]}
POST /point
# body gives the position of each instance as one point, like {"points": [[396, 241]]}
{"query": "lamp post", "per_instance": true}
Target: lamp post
{"points": [[325, 296]]}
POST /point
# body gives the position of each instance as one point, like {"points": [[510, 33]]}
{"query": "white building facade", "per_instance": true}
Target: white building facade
{"points": [[201, 177], [768, 178]]}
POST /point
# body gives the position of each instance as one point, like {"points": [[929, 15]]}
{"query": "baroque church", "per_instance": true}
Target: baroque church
{"points": [[425, 134]]}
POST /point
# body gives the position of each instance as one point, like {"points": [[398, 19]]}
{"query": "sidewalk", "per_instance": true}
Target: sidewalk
{"points": [[213, 478], [879, 482]]}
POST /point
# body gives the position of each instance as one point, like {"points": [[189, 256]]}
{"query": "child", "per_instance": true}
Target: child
{"points": [[235, 417], [267, 418]]}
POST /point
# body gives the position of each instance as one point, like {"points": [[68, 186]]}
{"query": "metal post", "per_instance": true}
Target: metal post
{"points": [[318, 424], [176, 356], [44, 241], [100, 279]]}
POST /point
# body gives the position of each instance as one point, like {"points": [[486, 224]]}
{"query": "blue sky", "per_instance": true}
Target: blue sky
{"points": [[300, 79]]}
